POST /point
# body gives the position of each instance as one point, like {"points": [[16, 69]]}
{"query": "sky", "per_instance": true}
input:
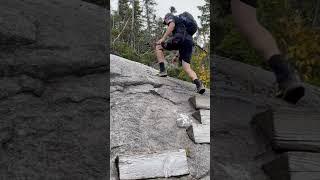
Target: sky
{"points": [[181, 5]]}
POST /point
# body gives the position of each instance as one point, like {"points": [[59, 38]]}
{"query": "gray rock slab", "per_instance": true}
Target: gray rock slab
{"points": [[52, 38], [200, 102], [145, 114], [53, 76], [23, 30], [203, 116], [162, 164], [184, 120], [199, 133]]}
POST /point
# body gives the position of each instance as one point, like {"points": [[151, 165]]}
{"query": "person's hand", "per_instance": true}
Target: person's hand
{"points": [[160, 41]]}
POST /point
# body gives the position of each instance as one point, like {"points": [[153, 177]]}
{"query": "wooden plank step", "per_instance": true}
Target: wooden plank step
{"points": [[200, 102], [294, 166], [290, 129], [203, 116], [156, 165], [305, 175], [199, 133]]}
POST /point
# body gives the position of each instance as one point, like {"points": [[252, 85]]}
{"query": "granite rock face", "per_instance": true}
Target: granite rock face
{"points": [[144, 110], [53, 76], [241, 91]]}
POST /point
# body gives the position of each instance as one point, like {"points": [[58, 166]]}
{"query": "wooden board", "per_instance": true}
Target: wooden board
{"points": [[305, 176], [200, 102], [294, 166], [203, 116], [163, 164], [199, 133], [290, 129]]}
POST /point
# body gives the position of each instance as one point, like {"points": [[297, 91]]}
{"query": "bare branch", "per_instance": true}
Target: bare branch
{"points": [[121, 31]]}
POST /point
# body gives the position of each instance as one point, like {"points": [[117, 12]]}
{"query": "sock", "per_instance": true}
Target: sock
{"points": [[162, 68], [197, 82], [279, 67]]}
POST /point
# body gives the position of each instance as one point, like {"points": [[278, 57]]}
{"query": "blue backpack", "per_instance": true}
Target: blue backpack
{"points": [[189, 22]]}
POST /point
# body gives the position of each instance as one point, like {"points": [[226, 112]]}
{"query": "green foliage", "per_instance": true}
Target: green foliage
{"points": [[296, 36], [175, 72], [125, 50], [236, 47], [123, 9], [205, 16], [204, 31], [200, 65]]}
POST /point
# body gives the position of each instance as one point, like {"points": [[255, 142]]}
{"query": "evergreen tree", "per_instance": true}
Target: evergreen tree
{"points": [[149, 6], [205, 21], [123, 8], [137, 23]]}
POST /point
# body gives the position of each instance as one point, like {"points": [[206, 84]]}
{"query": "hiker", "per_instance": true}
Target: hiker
{"points": [[181, 28], [244, 15]]}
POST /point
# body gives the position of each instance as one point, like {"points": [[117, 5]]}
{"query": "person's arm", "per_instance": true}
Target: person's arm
{"points": [[167, 33], [169, 30]]}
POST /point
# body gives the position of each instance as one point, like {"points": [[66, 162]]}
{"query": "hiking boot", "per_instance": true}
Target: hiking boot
{"points": [[163, 74], [201, 89], [291, 89]]}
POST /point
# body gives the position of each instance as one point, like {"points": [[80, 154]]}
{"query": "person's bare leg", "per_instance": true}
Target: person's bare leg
{"points": [[160, 58], [159, 53], [245, 18], [187, 68]]}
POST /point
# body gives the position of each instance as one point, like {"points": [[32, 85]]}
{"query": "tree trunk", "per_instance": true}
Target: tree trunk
{"points": [[147, 14], [132, 26]]}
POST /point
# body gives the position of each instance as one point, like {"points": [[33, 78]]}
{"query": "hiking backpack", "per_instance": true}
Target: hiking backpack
{"points": [[189, 22]]}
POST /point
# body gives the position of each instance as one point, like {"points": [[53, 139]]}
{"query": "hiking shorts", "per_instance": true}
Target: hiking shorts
{"points": [[252, 3], [225, 5], [181, 42]]}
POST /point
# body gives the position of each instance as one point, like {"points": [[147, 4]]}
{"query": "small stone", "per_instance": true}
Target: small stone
{"points": [[184, 121]]}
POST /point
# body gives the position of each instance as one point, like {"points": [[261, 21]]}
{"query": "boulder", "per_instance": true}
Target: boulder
{"points": [[143, 115], [53, 74]]}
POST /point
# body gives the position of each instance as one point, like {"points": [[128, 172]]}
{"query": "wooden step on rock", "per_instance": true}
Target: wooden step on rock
{"points": [[290, 129], [199, 133], [156, 165], [200, 102], [294, 166], [203, 116]]}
